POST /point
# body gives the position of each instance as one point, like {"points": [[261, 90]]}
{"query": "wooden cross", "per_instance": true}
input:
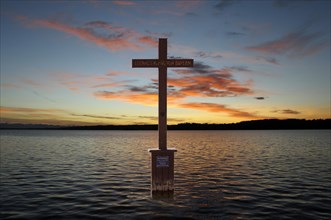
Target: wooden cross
{"points": [[162, 63]]}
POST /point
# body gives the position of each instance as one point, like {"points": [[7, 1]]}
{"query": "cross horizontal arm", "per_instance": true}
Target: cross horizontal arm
{"points": [[156, 63]]}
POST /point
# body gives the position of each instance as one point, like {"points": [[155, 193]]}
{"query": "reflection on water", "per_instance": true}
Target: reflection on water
{"points": [[218, 174]]}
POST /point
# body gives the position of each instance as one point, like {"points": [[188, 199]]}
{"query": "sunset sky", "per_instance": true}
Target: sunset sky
{"points": [[69, 62]]}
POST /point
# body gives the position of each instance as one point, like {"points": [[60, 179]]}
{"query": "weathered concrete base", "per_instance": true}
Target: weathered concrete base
{"points": [[162, 176]]}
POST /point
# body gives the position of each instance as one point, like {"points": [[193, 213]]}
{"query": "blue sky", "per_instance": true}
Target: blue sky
{"points": [[69, 62]]}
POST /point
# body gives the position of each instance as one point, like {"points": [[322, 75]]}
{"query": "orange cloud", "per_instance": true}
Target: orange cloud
{"points": [[74, 89], [210, 83], [70, 83], [48, 116], [144, 98], [117, 73], [20, 114], [49, 121], [117, 38], [212, 107], [199, 81], [27, 110], [141, 96]]}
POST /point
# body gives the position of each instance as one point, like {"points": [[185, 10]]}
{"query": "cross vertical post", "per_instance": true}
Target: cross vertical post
{"points": [[163, 95], [162, 159]]}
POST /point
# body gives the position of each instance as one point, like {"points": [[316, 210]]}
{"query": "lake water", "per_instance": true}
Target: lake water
{"points": [[218, 175]]}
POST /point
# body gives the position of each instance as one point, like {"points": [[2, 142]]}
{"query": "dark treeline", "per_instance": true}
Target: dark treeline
{"points": [[267, 124]]}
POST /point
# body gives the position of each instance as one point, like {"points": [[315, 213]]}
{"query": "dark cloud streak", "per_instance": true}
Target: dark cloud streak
{"points": [[223, 4], [234, 34], [202, 54], [287, 112], [96, 116], [260, 98]]}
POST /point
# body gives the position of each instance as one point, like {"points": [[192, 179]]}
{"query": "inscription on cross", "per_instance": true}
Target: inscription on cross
{"points": [[162, 63]]}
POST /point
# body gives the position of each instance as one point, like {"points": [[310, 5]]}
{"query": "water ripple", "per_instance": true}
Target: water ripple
{"points": [[218, 175]]}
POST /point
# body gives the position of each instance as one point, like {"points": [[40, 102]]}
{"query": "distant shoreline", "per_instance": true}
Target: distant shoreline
{"points": [[267, 124]]}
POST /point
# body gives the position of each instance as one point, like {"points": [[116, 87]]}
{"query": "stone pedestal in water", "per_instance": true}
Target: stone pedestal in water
{"points": [[162, 175]]}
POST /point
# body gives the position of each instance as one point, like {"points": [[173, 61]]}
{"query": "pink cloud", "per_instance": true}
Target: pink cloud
{"points": [[148, 40], [124, 3], [10, 86], [79, 82], [187, 5], [117, 38], [32, 83], [115, 43], [295, 44]]}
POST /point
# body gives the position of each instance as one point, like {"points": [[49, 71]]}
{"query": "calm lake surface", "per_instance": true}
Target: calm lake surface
{"points": [[218, 175]]}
